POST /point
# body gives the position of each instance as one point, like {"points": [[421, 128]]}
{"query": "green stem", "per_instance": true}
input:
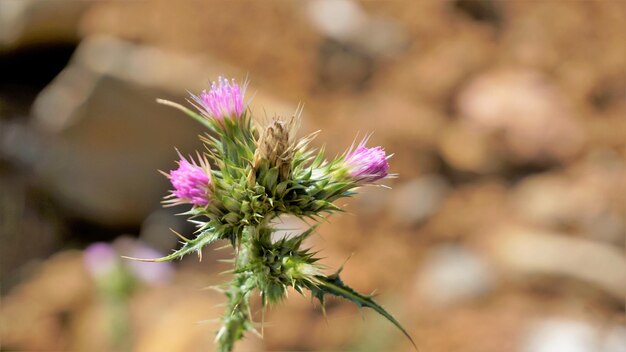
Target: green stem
{"points": [[237, 318], [119, 324]]}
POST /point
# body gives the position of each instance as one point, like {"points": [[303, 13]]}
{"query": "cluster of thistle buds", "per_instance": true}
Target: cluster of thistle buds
{"points": [[250, 174]]}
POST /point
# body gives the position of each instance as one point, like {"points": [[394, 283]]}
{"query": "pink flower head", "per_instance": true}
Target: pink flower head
{"points": [[100, 259], [191, 181], [223, 100], [367, 165], [150, 273]]}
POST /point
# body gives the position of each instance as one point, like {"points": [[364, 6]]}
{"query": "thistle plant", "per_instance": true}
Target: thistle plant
{"points": [[248, 175]]}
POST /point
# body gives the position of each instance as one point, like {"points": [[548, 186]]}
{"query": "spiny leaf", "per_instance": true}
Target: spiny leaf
{"points": [[334, 286], [196, 245]]}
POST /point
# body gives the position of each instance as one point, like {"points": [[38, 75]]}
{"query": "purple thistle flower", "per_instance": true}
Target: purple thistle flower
{"points": [[367, 165], [100, 259], [150, 273], [192, 182], [223, 100]]}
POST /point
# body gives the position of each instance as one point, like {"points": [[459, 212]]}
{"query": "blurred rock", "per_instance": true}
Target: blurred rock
{"points": [[177, 324], [469, 210], [354, 42], [277, 59], [308, 328], [615, 340], [468, 149], [487, 11], [562, 38], [372, 202], [398, 121], [585, 198], [607, 95], [563, 336], [343, 66], [29, 22], [73, 316], [90, 329], [544, 199], [27, 222], [337, 19], [156, 229], [438, 68], [382, 38], [106, 140], [106, 137], [346, 21], [452, 274], [526, 252], [530, 113], [414, 201], [30, 323]]}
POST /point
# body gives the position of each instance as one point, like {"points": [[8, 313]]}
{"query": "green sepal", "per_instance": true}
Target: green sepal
{"points": [[269, 178], [231, 204]]}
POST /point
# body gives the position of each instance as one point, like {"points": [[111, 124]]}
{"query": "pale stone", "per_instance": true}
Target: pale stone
{"points": [[452, 274]]}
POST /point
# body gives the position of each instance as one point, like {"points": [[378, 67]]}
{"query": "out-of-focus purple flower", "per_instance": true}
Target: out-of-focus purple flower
{"points": [[223, 100], [192, 182], [367, 165], [100, 259], [151, 273]]}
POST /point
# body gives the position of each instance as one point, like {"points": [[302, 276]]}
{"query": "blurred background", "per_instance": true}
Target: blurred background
{"points": [[505, 230]]}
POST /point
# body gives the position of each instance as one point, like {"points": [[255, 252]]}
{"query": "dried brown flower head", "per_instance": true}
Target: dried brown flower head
{"points": [[276, 146]]}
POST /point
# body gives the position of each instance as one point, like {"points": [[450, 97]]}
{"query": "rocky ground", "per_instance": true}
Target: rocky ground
{"points": [[505, 230]]}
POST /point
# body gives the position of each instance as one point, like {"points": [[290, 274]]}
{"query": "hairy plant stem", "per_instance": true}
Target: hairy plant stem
{"points": [[237, 318]]}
